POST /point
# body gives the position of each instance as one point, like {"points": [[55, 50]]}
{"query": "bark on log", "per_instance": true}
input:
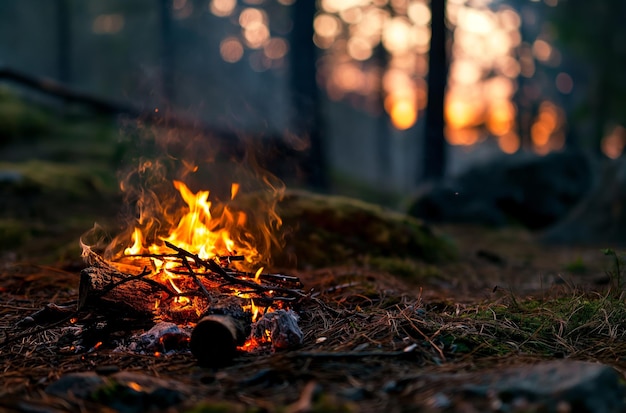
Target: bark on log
{"points": [[132, 299]]}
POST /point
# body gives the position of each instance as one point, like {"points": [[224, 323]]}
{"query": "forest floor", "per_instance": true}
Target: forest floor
{"points": [[381, 342], [389, 335]]}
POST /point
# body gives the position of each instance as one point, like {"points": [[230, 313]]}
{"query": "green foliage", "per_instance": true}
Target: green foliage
{"points": [[577, 266], [20, 119], [615, 275]]}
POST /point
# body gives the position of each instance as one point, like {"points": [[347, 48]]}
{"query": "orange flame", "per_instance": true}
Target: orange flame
{"points": [[199, 230], [211, 225]]}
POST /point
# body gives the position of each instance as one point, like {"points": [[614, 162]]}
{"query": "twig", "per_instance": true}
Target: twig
{"points": [[227, 258], [8, 339], [428, 339], [192, 274], [139, 277], [217, 269]]}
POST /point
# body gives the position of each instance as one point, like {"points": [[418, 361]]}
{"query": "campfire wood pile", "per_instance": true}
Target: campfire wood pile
{"points": [[229, 298]]}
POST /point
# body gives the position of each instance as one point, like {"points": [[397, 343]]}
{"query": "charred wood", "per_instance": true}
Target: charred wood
{"points": [[229, 278], [281, 327], [217, 335], [103, 290], [50, 313]]}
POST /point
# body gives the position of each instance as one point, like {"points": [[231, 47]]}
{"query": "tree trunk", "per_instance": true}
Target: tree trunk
{"points": [[167, 51], [64, 41], [307, 119], [434, 148]]}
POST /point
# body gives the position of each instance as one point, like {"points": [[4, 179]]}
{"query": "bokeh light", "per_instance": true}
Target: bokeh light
{"points": [[108, 24], [377, 51], [222, 8], [612, 145], [231, 49]]}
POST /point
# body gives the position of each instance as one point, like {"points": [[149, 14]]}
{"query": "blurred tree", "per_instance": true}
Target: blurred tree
{"points": [[595, 30], [64, 40], [306, 113], [434, 148], [167, 50]]}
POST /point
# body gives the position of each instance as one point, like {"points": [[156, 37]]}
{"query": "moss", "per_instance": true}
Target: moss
{"points": [[46, 206], [13, 233], [544, 327], [53, 176], [133, 398], [577, 266], [333, 230], [19, 119]]}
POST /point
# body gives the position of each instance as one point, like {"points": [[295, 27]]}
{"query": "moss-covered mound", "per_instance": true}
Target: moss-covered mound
{"points": [[20, 119], [46, 205], [333, 230]]}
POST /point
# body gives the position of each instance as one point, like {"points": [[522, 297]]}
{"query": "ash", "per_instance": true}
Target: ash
{"points": [[282, 327], [164, 337]]}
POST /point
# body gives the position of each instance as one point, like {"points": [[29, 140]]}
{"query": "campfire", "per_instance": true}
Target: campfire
{"points": [[204, 273]]}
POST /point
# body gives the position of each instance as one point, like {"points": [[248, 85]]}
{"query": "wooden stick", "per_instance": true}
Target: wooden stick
{"points": [[215, 338], [215, 267]]}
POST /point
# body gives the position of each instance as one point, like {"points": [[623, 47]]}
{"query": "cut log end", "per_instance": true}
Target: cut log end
{"points": [[215, 339]]}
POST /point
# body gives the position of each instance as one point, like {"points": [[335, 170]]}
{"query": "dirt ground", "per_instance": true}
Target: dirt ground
{"points": [[380, 342]]}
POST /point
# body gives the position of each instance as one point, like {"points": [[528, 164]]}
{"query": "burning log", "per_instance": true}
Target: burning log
{"points": [[217, 335], [230, 295], [105, 289]]}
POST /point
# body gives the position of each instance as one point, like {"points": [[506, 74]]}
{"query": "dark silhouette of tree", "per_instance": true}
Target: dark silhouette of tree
{"points": [[307, 120], [434, 148], [64, 41], [166, 50], [383, 149]]}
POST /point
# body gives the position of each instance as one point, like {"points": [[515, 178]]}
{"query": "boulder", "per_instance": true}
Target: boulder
{"points": [[600, 219], [123, 391], [560, 385], [531, 190]]}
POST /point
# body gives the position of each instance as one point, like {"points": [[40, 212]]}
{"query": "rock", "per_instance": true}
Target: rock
{"points": [[123, 391], [79, 385], [551, 386], [531, 190], [600, 219]]}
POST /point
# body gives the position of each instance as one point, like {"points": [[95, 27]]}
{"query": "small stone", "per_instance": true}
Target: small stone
{"points": [[555, 385], [78, 385], [439, 401], [26, 321]]}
